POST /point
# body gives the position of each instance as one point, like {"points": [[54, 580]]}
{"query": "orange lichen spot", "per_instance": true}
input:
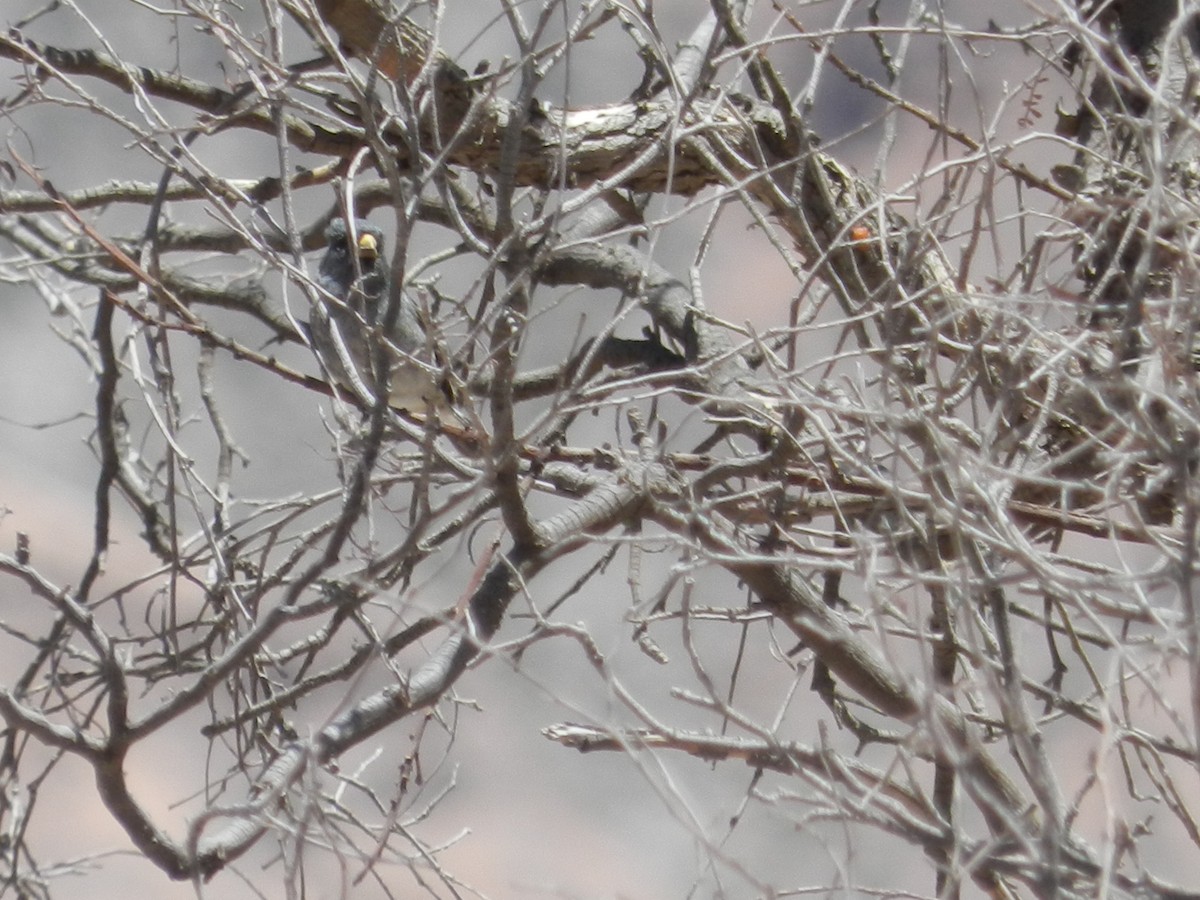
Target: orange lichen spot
{"points": [[860, 233]]}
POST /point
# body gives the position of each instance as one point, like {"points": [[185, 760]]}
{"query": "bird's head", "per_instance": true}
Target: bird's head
{"points": [[338, 266]]}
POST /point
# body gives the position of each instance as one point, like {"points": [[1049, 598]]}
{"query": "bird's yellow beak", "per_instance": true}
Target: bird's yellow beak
{"points": [[368, 247]]}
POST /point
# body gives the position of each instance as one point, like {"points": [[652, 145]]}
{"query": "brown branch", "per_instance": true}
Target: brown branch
{"points": [[608, 505], [602, 144]]}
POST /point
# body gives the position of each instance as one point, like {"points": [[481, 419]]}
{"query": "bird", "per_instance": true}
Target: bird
{"points": [[355, 280]]}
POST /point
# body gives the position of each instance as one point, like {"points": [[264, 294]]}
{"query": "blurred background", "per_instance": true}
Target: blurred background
{"points": [[518, 815]]}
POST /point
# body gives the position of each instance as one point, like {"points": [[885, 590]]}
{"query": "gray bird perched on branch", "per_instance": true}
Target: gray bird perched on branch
{"points": [[355, 273]]}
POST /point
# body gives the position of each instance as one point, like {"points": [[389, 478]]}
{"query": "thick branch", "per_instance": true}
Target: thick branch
{"points": [[608, 505]]}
